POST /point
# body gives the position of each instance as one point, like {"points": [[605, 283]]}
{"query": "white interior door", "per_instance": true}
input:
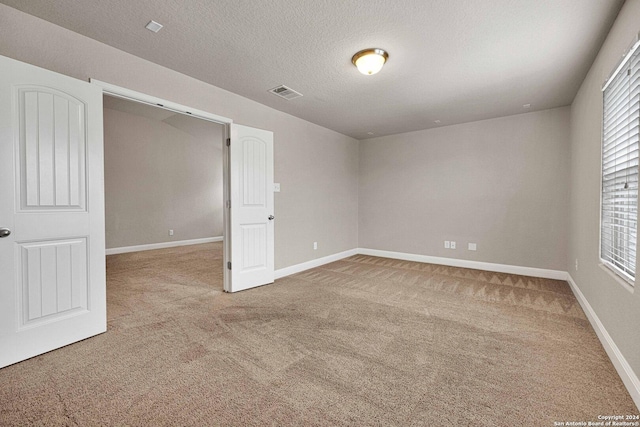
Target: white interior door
{"points": [[52, 264], [251, 211]]}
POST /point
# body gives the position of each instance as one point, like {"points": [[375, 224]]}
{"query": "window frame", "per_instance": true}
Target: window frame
{"points": [[626, 279]]}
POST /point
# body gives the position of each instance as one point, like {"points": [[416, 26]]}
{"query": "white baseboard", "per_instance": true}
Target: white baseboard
{"points": [[486, 266], [477, 265], [152, 246], [287, 271], [629, 378]]}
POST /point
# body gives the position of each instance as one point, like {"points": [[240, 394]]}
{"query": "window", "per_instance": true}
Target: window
{"points": [[619, 203]]}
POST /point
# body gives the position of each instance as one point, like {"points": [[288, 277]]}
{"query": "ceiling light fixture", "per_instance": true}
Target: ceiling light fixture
{"points": [[370, 61], [154, 26]]}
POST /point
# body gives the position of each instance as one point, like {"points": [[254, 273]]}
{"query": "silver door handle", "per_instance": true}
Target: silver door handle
{"points": [[4, 232], [271, 217]]}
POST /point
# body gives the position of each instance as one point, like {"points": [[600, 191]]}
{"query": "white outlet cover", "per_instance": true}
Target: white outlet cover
{"points": [[447, 244], [453, 245], [472, 246], [276, 187]]}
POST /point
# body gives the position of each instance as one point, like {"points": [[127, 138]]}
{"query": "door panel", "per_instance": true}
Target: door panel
{"points": [[52, 279], [52, 289], [252, 230], [254, 254], [52, 150]]}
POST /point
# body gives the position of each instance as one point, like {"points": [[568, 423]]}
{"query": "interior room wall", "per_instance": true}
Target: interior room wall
{"points": [[617, 308], [158, 178], [316, 167], [499, 183]]}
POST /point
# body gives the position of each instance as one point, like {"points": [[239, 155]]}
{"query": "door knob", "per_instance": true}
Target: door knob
{"points": [[4, 232], [271, 217]]}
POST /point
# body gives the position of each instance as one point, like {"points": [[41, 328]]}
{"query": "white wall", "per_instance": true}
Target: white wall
{"points": [[617, 308], [316, 167], [499, 183], [157, 178]]}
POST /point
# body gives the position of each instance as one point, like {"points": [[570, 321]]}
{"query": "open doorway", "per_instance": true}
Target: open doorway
{"points": [[163, 178], [164, 205], [248, 172]]}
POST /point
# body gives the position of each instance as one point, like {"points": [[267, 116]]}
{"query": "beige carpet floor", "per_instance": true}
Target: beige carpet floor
{"points": [[362, 341]]}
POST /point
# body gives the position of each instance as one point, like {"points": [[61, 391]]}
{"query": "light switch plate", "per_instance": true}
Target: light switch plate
{"points": [[276, 187], [472, 246]]}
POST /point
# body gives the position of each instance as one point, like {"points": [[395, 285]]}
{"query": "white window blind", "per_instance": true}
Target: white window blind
{"points": [[621, 125]]}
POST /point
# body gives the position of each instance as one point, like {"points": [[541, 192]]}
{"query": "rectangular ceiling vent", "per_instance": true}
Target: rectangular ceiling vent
{"points": [[285, 92]]}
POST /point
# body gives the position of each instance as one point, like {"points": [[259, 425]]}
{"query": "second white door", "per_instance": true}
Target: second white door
{"points": [[251, 211]]}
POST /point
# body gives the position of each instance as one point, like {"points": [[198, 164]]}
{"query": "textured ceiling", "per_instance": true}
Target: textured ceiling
{"points": [[450, 60]]}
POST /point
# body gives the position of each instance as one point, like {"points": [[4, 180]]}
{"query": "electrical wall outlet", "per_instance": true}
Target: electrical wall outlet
{"points": [[472, 246], [447, 244], [170, 232], [453, 245], [276, 187], [576, 264], [315, 246]]}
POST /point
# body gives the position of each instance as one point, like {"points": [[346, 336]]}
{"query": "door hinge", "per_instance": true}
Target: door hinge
{"points": [[229, 265], [229, 204], [228, 142]]}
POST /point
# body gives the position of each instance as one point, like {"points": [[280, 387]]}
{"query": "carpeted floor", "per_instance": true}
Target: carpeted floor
{"points": [[362, 341]]}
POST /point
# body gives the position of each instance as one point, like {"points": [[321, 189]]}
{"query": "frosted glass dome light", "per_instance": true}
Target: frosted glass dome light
{"points": [[370, 61]]}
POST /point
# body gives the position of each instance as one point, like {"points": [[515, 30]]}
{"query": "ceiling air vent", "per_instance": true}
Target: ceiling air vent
{"points": [[285, 92]]}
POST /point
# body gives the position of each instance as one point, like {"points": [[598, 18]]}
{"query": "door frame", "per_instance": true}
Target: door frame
{"points": [[131, 95]]}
